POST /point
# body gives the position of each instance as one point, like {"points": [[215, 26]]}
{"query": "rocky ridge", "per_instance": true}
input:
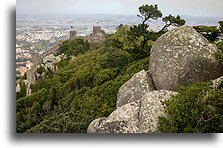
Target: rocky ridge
{"points": [[180, 56]]}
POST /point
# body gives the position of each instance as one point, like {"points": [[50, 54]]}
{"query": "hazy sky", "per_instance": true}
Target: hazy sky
{"points": [[182, 7]]}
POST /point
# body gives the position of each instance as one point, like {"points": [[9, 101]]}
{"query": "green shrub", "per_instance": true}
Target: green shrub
{"points": [[29, 110], [197, 108], [219, 56], [40, 70], [74, 47], [22, 92], [104, 75], [219, 44], [211, 33], [63, 62], [137, 66]]}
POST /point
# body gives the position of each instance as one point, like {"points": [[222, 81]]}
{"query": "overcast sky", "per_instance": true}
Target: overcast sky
{"points": [[182, 7]]}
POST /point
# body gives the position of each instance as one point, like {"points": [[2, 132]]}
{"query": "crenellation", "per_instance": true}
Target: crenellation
{"points": [[97, 30], [98, 35]]}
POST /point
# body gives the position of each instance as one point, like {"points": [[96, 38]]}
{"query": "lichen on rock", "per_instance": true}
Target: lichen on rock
{"points": [[134, 88], [117, 127], [153, 106], [183, 56], [124, 120], [136, 117], [94, 126]]}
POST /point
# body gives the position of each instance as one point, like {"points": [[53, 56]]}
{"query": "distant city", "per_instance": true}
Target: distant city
{"points": [[39, 33]]}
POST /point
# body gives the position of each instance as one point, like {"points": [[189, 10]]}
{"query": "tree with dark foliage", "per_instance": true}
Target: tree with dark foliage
{"points": [[147, 12], [209, 32], [172, 21]]}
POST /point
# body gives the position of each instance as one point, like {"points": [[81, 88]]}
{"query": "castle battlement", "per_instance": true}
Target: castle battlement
{"points": [[98, 35], [97, 29]]}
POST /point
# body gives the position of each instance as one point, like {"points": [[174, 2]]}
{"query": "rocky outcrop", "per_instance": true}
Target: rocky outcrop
{"points": [[50, 60], [48, 63], [116, 127], [135, 117], [140, 116], [18, 88], [134, 88], [128, 112], [123, 119], [153, 106], [46, 60], [95, 125], [183, 56]]}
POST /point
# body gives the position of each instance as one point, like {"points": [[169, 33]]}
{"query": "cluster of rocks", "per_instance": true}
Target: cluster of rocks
{"points": [[180, 56], [48, 63]]}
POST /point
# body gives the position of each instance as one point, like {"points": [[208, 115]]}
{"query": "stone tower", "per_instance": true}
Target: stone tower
{"points": [[73, 34], [97, 30]]}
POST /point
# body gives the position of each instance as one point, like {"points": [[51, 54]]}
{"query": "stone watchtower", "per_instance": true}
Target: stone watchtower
{"points": [[97, 29], [73, 34]]}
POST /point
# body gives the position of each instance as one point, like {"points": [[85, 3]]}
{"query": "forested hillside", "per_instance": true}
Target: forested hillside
{"points": [[85, 87], [80, 91]]}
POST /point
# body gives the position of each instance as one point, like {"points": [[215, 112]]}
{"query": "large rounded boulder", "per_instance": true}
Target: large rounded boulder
{"points": [[183, 56], [134, 88]]}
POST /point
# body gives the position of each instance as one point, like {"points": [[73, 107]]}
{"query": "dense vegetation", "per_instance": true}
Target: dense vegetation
{"points": [[209, 32], [80, 91], [22, 92], [85, 88], [79, 45], [197, 108]]}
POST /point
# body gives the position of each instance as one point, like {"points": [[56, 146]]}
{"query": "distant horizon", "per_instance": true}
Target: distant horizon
{"points": [[78, 17], [196, 8], [44, 14]]}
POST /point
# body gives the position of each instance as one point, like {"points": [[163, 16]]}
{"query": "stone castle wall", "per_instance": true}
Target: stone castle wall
{"points": [[97, 29], [38, 59], [98, 35]]}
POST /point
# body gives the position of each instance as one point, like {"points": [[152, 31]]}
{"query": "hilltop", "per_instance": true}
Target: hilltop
{"points": [[127, 82]]}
